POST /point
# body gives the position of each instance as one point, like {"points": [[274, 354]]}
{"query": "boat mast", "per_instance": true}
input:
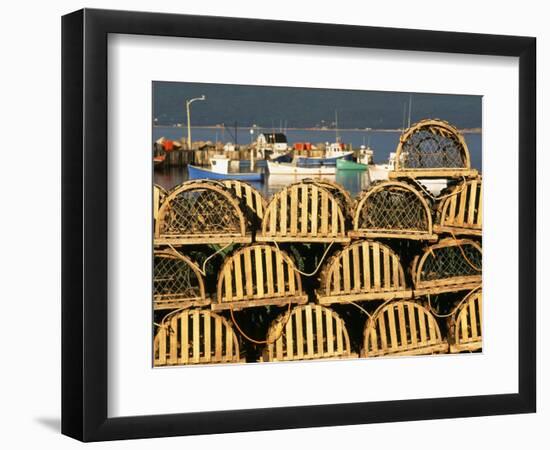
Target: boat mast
{"points": [[410, 107]]}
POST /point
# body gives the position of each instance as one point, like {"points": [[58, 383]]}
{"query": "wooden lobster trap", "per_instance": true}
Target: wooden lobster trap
{"points": [[338, 191], [304, 212], [364, 270], [432, 148], [392, 209], [159, 194], [177, 281], [195, 336], [461, 211], [465, 325], [402, 327], [307, 332], [450, 265], [258, 275], [252, 200], [201, 212]]}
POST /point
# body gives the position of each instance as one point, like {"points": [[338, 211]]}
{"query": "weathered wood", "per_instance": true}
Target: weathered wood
{"points": [[304, 212], [326, 336], [432, 148], [465, 325], [468, 218], [269, 278], [450, 265], [159, 193], [419, 333], [392, 209], [185, 337], [252, 198], [200, 212], [177, 281], [364, 270]]}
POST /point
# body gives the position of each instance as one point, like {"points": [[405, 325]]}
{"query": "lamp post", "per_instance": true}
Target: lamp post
{"points": [[187, 105]]}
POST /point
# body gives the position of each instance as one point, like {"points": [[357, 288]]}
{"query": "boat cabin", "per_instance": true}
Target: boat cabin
{"points": [[272, 141]]}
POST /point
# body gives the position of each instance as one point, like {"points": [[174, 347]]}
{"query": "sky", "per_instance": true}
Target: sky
{"points": [[291, 107]]}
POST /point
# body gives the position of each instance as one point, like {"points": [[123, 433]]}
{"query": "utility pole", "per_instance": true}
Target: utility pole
{"points": [[187, 106]]}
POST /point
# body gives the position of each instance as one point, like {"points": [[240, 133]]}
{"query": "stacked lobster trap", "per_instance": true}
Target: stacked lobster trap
{"points": [[316, 274]]}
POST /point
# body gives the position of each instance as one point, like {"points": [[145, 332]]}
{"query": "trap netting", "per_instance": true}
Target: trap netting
{"points": [[448, 262], [432, 144], [175, 278], [200, 212], [392, 209]]}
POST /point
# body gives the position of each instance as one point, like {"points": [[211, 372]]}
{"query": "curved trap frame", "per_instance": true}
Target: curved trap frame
{"points": [[465, 326], [201, 212], [402, 328], [461, 212], [450, 265], [307, 332], [338, 191], [177, 281], [195, 336], [364, 270], [304, 212], [392, 209], [258, 275], [251, 199], [432, 148]]}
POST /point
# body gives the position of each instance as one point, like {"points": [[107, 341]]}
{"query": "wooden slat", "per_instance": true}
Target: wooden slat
{"points": [[173, 330], [289, 333], [258, 260], [383, 331], [339, 337], [280, 274], [336, 277], [396, 273], [227, 275], [309, 332], [412, 324], [366, 266], [480, 207], [269, 271], [387, 275], [462, 207], [207, 337], [334, 216], [346, 270], [464, 325], [402, 324], [304, 206], [376, 264], [283, 212], [279, 350], [473, 319], [228, 345], [394, 344], [248, 273], [330, 334], [314, 209], [238, 276], [356, 269], [422, 326], [431, 326], [273, 218], [218, 339], [472, 204], [299, 334], [162, 346], [184, 325], [293, 210], [319, 329], [291, 279], [324, 212], [196, 336]]}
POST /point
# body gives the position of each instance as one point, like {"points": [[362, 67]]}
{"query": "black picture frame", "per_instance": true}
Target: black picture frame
{"points": [[84, 224]]}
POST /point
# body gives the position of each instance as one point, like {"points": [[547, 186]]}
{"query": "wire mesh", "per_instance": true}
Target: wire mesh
{"points": [[174, 278], [449, 262]]}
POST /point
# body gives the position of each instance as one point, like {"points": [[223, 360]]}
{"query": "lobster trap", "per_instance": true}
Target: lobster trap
{"points": [[159, 193], [307, 332], [258, 275], [432, 148], [364, 270], [304, 212], [195, 336], [461, 211], [252, 200], [338, 191], [450, 265], [392, 209], [402, 328], [177, 281], [201, 212], [465, 325]]}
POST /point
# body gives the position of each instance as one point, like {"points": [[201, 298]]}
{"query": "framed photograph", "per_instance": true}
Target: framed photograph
{"points": [[273, 225]]}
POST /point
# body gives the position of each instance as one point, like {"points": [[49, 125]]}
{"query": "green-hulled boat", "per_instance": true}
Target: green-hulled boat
{"points": [[344, 164]]}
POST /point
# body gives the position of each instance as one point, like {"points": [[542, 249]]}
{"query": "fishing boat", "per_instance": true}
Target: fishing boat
{"points": [[333, 153], [220, 171], [344, 164], [277, 168]]}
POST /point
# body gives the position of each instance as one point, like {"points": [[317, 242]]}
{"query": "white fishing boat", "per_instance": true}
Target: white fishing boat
{"points": [[279, 168]]}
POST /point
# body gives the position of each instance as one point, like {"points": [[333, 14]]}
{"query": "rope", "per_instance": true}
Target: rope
{"points": [[318, 265], [452, 313], [203, 270], [441, 197], [254, 341]]}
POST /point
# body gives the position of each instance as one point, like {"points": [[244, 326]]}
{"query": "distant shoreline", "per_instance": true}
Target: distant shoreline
{"points": [[380, 130]]}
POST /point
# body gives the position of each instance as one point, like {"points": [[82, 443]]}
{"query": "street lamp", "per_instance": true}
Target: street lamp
{"points": [[187, 105]]}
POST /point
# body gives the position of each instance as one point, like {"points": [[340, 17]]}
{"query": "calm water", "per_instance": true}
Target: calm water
{"points": [[354, 181]]}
